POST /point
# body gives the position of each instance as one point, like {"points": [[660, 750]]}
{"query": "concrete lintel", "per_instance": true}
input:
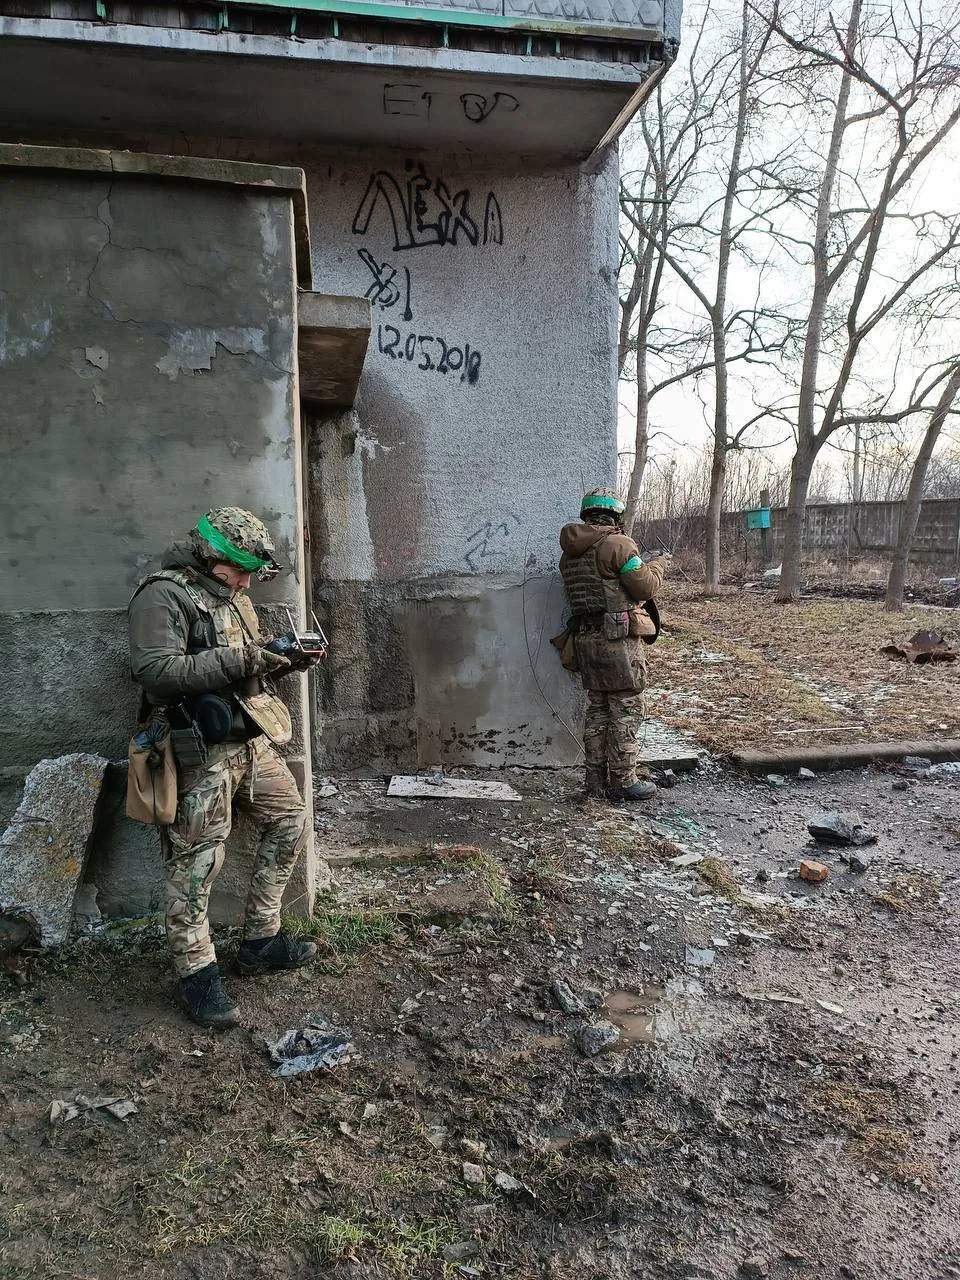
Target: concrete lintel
{"points": [[347, 53], [333, 334], [279, 179]]}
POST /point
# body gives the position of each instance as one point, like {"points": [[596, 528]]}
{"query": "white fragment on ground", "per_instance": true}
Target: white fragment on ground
{"points": [[409, 787], [62, 1111]]}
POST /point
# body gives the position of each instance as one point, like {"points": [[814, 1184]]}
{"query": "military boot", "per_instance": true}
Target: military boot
{"points": [[635, 791], [268, 955], [203, 999]]}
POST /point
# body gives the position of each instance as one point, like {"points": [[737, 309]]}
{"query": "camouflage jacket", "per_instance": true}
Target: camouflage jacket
{"points": [[187, 632]]}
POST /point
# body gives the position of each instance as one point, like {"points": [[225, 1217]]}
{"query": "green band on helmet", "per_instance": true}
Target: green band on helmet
{"points": [[597, 500], [236, 555], [632, 564]]}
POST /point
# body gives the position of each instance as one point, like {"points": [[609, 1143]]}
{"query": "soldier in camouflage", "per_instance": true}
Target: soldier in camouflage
{"points": [[198, 656], [611, 593]]}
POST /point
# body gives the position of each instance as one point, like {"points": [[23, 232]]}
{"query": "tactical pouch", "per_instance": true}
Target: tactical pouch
{"points": [[188, 746], [151, 775], [610, 666], [616, 626]]}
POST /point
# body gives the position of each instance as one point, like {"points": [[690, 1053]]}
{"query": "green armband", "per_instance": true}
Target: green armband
{"points": [[632, 564]]}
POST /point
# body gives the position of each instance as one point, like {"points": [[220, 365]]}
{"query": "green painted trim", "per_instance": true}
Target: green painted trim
{"points": [[632, 565], [458, 18]]}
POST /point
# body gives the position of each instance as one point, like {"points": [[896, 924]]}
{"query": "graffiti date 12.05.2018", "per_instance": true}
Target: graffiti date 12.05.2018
{"points": [[429, 353]]}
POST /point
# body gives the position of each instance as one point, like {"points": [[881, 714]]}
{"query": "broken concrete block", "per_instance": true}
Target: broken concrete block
{"points": [[813, 871], [839, 828], [42, 852]]}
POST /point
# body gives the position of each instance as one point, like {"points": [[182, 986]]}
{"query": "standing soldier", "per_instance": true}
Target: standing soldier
{"points": [[197, 654], [611, 593]]}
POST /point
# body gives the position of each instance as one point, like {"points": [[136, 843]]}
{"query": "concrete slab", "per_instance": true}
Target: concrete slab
{"points": [[451, 789], [332, 338], [43, 851]]}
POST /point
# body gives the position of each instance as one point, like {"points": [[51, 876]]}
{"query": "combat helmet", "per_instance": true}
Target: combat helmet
{"points": [[237, 537], [603, 500]]}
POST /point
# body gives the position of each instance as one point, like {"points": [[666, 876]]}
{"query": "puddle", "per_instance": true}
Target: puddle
{"points": [[653, 1014]]}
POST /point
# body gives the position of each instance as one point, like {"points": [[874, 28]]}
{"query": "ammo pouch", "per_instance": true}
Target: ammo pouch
{"points": [[616, 626], [567, 649], [186, 737]]}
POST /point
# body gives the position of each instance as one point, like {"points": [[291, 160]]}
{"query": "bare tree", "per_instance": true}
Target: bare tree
{"points": [[911, 507], [695, 166], [896, 84]]}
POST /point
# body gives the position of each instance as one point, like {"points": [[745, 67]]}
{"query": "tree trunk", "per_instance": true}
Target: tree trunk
{"points": [[807, 444], [911, 506], [642, 433], [800, 471], [718, 475]]}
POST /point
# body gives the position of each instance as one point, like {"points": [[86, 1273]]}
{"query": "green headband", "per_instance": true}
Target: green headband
{"points": [[236, 555], [608, 504]]}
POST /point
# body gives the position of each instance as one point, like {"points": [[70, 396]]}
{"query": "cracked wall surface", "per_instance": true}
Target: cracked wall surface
{"points": [[147, 374]]}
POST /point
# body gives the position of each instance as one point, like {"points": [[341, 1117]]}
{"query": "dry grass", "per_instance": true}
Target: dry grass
{"points": [[739, 670], [914, 891], [873, 1117]]}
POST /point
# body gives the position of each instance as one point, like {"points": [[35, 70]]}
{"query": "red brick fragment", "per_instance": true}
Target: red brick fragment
{"points": [[814, 871]]}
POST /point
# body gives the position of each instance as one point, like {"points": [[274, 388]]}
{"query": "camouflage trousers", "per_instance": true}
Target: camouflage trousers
{"points": [[610, 737], [253, 776]]}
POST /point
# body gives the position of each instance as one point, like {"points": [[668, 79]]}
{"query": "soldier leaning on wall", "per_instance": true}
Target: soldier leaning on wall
{"points": [[197, 654], [611, 593]]}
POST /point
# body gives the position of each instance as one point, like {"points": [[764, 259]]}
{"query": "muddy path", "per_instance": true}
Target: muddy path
{"points": [[783, 1098]]}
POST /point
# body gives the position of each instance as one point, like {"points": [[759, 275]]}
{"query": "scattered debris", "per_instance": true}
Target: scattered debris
{"points": [[316, 1047], [776, 780], [685, 860], [509, 1185], [596, 1037], [325, 791], [756, 1267], [828, 1007], [699, 957], [925, 646], [459, 1250], [567, 998], [806, 774], [667, 779], [746, 937], [450, 789], [44, 849], [859, 862], [832, 827], [917, 764], [474, 1175], [18, 933], [61, 1112], [813, 871], [901, 784]]}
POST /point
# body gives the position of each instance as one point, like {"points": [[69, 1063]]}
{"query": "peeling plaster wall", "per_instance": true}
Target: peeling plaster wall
{"points": [[147, 374], [487, 404]]}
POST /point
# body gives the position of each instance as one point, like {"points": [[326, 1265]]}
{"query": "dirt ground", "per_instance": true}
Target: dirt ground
{"points": [[787, 1106], [740, 670]]}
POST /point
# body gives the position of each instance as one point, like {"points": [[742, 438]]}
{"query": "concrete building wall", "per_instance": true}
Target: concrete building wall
{"points": [[147, 374], [487, 404]]}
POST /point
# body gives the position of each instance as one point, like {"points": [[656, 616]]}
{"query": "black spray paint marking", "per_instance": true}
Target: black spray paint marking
{"points": [[425, 212], [477, 107], [488, 541], [406, 100], [385, 291], [429, 353]]}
